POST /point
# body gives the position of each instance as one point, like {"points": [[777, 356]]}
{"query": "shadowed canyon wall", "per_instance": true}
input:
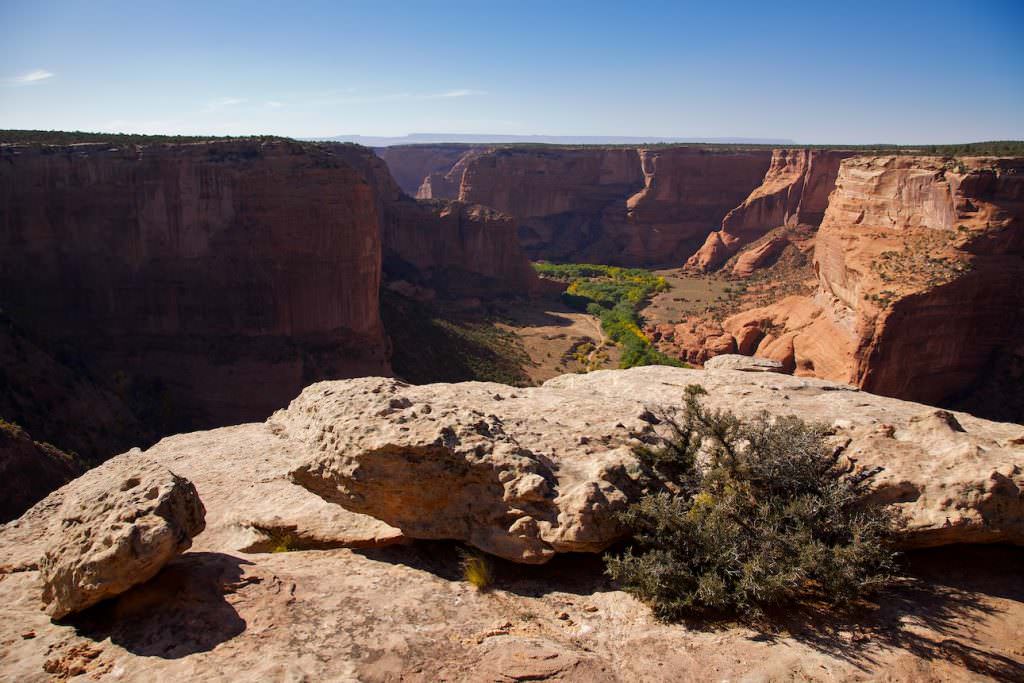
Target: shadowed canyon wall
{"points": [[224, 276], [453, 248]]}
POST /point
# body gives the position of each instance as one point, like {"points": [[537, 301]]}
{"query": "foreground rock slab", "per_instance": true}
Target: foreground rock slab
{"points": [[116, 531], [226, 610], [528, 473], [519, 473]]}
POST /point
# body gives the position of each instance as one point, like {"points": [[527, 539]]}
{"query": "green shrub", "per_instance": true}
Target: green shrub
{"points": [[755, 514]]}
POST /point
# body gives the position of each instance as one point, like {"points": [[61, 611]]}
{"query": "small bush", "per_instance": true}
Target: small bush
{"points": [[281, 542], [476, 570], [756, 514]]}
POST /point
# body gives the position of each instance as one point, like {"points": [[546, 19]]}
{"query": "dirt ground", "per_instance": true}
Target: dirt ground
{"points": [[687, 295], [558, 339]]}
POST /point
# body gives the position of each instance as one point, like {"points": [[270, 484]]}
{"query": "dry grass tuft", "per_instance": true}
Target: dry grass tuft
{"points": [[476, 570]]}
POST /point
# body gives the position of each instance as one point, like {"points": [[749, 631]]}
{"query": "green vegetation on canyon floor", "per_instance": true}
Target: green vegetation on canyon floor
{"points": [[613, 295]]}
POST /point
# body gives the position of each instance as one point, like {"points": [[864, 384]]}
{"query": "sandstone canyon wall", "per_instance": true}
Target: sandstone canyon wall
{"points": [[795, 191], [410, 165], [919, 261], [607, 205], [225, 276], [454, 249], [558, 197]]}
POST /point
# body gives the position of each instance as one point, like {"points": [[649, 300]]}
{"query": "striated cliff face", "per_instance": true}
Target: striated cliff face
{"points": [[458, 250], [222, 276], [455, 249], [410, 165], [919, 261], [558, 197], [795, 191], [686, 194], [606, 205]]}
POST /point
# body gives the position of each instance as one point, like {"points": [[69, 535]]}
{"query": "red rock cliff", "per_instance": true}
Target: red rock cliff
{"points": [[457, 250], [919, 261], [686, 194], [410, 165], [228, 274], [625, 206], [794, 191]]}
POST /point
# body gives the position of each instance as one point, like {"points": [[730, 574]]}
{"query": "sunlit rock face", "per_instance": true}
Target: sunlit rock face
{"points": [[624, 206]]}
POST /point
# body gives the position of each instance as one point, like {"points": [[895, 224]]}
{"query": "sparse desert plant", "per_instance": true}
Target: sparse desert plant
{"points": [[278, 540], [476, 570], [755, 514]]}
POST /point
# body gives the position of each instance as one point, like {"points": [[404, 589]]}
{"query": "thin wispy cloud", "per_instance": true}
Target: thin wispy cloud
{"points": [[352, 96], [461, 92], [273, 104], [222, 103], [30, 78]]}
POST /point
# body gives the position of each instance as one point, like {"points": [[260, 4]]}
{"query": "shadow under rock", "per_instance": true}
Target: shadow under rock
{"points": [[929, 614], [576, 573], [179, 612]]}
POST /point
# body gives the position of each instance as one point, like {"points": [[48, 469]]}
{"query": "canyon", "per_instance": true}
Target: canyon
{"points": [[208, 333], [897, 268], [622, 206], [156, 288]]}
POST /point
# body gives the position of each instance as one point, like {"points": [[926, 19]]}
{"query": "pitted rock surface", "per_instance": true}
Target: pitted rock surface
{"points": [[527, 473], [519, 473], [116, 531]]}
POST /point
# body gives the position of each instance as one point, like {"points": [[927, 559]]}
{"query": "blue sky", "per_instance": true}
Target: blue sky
{"points": [[816, 72]]}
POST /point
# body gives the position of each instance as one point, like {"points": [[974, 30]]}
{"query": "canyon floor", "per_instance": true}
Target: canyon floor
{"points": [[530, 341]]}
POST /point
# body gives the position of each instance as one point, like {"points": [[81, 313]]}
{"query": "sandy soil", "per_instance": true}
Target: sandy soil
{"points": [[552, 333], [687, 295]]}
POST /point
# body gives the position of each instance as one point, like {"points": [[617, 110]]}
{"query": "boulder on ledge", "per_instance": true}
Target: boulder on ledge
{"points": [[116, 529]]}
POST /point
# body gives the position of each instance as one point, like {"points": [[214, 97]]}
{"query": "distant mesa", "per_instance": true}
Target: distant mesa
{"points": [[488, 138]]}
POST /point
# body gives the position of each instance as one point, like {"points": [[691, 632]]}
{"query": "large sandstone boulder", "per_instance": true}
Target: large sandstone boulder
{"points": [[116, 531], [527, 473], [519, 473]]}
